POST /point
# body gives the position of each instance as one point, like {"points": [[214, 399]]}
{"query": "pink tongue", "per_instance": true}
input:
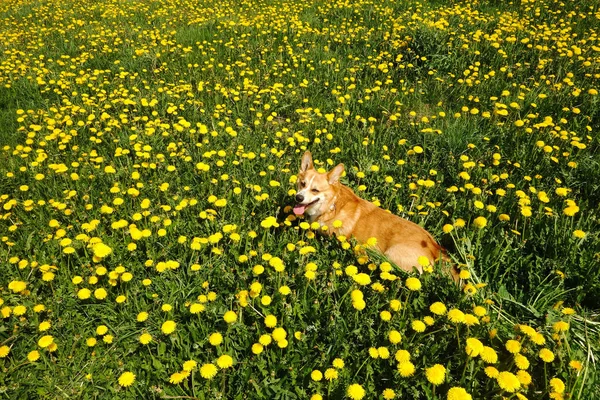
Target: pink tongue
{"points": [[299, 209]]}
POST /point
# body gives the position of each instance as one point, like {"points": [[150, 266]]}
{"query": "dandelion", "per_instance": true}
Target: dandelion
{"points": [[269, 222], [45, 341], [508, 382], [557, 385], [489, 355], [568, 311], [4, 350], [230, 317], [225, 361], [316, 375], [285, 290], [456, 316], [142, 316], [402, 355], [126, 379], [270, 321], [279, 334], [33, 356], [561, 326], [373, 352], [385, 315], [383, 352], [394, 337], [546, 355], [145, 338], [479, 311], [413, 284], [513, 346], [418, 326], [177, 377], [189, 365], [576, 365], [338, 363], [491, 372], [436, 374], [406, 368], [196, 308], [395, 305], [101, 250], [474, 347], [215, 339], [438, 308], [208, 371], [470, 319], [458, 393], [388, 394], [168, 327], [480, 222], [524, 377], [101, 330], [355, 391], [521, 361], [257, 348], [331, 374]]}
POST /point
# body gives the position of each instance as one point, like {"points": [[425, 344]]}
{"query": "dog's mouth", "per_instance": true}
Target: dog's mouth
{"points": [[300, 208]]}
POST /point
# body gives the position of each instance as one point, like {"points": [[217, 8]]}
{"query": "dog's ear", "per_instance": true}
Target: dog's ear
{"points": [[334, 175], [307, 162]]}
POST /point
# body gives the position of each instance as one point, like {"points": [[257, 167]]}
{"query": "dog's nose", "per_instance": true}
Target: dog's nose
{"points": [[299, 198]]}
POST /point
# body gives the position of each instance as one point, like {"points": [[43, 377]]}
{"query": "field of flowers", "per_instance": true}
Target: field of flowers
{"points": [[148, 158]]}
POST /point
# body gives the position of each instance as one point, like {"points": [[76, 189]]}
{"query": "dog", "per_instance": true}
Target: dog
{"points": [[322, 198]]}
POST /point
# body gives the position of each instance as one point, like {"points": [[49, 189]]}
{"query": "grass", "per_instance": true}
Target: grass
{"points": [[171, 132]]}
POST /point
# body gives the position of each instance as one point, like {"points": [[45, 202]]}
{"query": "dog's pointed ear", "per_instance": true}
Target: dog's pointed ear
{"points": [[334, 175], [307, 162]]}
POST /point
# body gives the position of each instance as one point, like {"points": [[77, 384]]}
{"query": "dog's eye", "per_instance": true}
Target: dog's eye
{"points": [[315, 191], [302, 184]]}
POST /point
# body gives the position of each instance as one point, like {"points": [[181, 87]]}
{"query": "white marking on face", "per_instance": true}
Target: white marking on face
{"points": [[304, 191]]}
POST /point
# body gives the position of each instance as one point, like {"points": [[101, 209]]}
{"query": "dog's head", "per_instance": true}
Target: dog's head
{"points": [[315, 190]]}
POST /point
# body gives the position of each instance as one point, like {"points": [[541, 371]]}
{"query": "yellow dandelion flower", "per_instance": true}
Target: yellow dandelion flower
{"points": [[491, 372], [225, 361], [436, 374], [508, 382], [406, 368], [546, 355], [513, 346], [474, 347], [524, 377], [438, 308], [168, 327], [126, 379], [456, 316], [413, 284], [557, 385], [458, 393], [208, 371], [355, 391]]}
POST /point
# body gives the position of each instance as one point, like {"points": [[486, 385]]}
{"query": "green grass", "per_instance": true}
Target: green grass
{"points": [[219, 100]]}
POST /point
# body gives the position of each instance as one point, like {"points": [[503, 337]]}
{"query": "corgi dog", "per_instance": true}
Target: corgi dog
{"points": [[322, 198]]}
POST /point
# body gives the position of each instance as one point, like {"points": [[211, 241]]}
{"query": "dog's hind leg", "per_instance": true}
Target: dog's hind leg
{"points": [[406, 256]]}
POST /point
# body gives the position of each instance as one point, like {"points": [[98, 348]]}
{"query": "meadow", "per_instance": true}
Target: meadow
{"points": [[148, 161]]}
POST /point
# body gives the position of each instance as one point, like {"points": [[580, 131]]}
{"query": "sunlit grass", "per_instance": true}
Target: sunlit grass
{"points": [[148, 154]]}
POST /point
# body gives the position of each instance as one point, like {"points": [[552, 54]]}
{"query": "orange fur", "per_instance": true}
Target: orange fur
{"points": [[322, 198]]}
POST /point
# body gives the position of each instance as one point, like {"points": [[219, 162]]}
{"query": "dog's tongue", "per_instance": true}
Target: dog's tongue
{"points": [[299, 209]]}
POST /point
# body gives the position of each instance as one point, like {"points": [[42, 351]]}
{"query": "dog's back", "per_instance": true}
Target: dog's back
{"points": [[400, 240]]}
